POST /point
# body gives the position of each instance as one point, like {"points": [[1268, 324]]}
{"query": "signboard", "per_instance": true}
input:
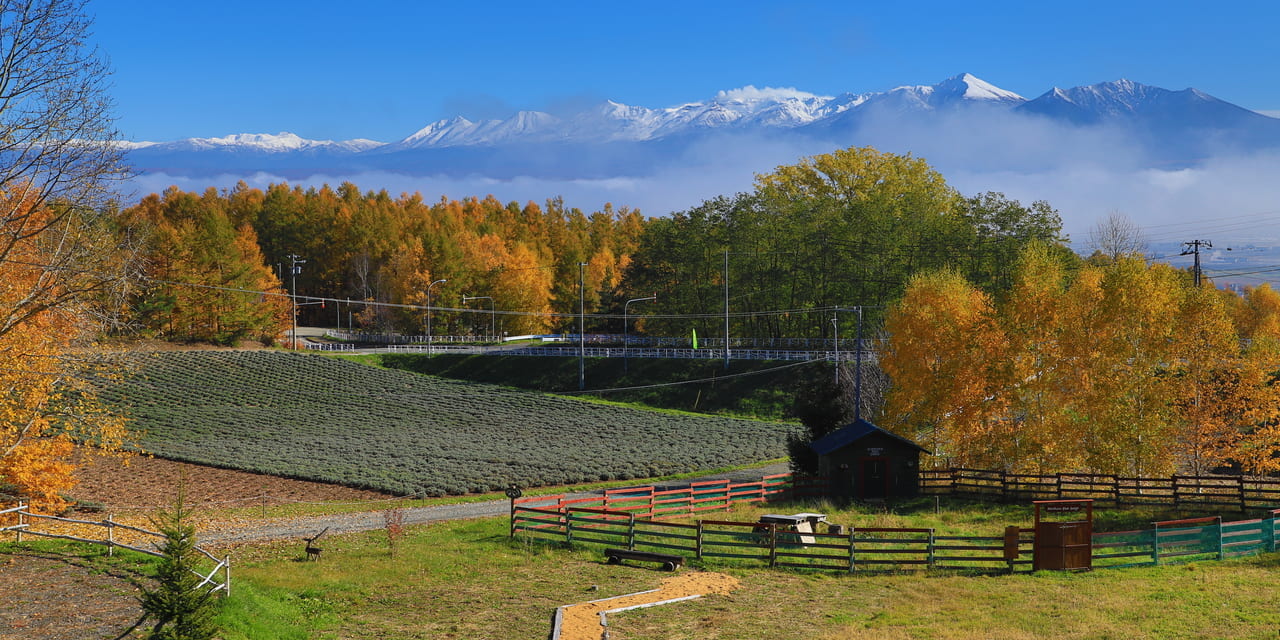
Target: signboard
{"points": [[1064, 508], [875, 451]]}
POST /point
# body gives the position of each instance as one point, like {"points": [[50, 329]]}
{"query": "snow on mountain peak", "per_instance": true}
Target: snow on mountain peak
{"points": [[976, 88]]}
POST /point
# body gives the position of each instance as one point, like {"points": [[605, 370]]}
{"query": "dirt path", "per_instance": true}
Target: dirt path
{"points": [[370, 520], [142, 484]]}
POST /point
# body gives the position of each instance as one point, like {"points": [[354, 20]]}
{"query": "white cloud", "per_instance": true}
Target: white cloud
{"points": [[749, 93], [1085, 173]]}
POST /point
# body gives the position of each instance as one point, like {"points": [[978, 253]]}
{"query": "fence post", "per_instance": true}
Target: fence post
{"points": [[1269, 533], [1155, 543], [1004, 487], [111, 535], [697, 542], [568, 527], [852, 561], [1244, 508], [930, 549], [227, 568], [22, 519], [1058, 485], [631, 532], [773, 544], [1221, 549], [1175, 490]]}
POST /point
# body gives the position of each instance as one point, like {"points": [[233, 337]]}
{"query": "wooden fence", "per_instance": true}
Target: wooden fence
{"points": [[633, 518], [25, 519], [656, 503], [1186, 540], [1223, 492], [862, 550]]}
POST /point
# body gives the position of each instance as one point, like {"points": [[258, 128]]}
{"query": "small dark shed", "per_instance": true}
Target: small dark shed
{"points": [[861, 461]]}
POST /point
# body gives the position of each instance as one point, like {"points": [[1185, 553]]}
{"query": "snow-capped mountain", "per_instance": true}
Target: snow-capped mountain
{"points": [[611, 138], [1125, 99], [283, 142]]}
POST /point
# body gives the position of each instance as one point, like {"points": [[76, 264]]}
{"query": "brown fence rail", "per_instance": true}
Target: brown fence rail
{"points": [[863, 550], [1219, 492]]}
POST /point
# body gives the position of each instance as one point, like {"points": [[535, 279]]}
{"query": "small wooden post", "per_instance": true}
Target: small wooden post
{"points": [[852, 561], [22, 518], [773, 544], [697, 542], [631, 532], [226, 567], [568, 527], [1243, 507], [111, 535], [930, 548], [264, 505], [1221, 549], [1155, 543], [1012, 539], [1269, 532]]}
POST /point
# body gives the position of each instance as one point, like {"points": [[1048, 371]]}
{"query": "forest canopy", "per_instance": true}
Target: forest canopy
{"points": [[843, 229]]}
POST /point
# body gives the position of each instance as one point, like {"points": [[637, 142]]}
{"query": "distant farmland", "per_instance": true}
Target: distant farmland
{"points": [[317, 418]]}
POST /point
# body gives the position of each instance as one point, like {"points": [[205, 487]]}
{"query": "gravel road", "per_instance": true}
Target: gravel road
{"points": [[366, 521]]}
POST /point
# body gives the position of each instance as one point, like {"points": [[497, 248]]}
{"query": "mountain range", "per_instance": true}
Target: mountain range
{"points": [[1172, 128]]}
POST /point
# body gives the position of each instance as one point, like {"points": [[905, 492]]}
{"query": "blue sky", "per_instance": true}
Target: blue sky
{"points": [[382, 69]]}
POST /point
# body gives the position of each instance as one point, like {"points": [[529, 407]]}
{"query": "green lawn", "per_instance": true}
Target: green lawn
{"points": [[466, 580]]}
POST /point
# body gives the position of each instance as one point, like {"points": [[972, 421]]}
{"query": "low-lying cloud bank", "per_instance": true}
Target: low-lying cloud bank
{"points": [[1084, 172]]}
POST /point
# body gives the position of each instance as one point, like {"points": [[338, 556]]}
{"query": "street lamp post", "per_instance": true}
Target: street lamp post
{"points": [[430, 350], [624, 327], [726, 308], [295, 267], [492, 327], [835, 324], [582, 329]]}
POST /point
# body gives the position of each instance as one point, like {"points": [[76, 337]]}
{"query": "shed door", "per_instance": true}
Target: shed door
{"points": [[873, 478]]}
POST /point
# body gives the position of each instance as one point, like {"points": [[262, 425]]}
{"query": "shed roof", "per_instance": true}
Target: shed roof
{"points": [[851, 433]]}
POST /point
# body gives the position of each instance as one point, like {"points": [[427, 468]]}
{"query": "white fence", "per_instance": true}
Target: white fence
{"points": [[24, 527]]}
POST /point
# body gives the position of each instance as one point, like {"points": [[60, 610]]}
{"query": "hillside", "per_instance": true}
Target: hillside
{"points": [[763, 390], [330, 420]]}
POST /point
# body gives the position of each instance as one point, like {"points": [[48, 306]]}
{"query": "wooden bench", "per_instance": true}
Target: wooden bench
{"points": [[669, 562]]}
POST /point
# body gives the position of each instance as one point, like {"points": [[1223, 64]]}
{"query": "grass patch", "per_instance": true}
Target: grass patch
{"points": [[750, 389], [467, 580]]}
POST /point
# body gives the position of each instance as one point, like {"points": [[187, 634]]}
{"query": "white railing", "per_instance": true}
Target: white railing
{"points": [[23, 527]]}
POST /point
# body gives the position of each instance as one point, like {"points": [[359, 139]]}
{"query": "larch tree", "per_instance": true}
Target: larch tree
{"points": [[942, 339], [62, 274]]}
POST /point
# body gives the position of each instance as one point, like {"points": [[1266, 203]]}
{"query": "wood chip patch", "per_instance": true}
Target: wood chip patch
{"points": [[586, 621]]}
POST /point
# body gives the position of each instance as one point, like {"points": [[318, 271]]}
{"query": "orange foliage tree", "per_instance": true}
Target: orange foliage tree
{"points": [[47, 403], [1118, 367]]}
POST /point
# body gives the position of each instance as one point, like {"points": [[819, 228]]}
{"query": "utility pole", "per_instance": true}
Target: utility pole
{"points": [[1193, 248], [295, 267], [857, 374], [582, 330], [835, 327], [726, 308]]}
